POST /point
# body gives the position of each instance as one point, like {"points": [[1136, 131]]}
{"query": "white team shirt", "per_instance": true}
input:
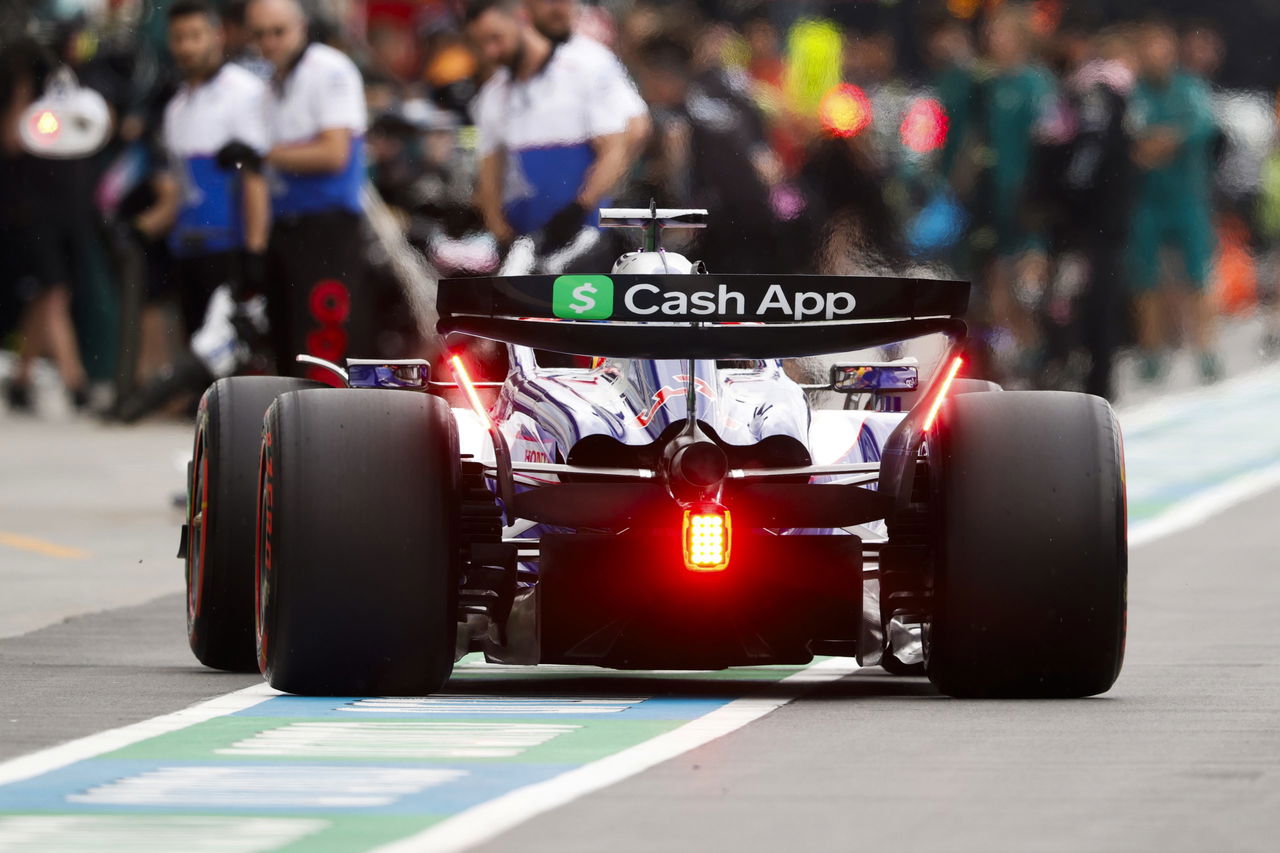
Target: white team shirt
{"points": [[545, 125], [228, 106], [323, 91], [583, 92], [198, 121]]}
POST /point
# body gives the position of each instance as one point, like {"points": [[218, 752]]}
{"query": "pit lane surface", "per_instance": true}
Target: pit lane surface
{"points": [[1182, 754]]}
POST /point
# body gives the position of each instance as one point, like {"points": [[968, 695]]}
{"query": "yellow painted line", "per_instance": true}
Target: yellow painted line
{"points": [[39, 546]]}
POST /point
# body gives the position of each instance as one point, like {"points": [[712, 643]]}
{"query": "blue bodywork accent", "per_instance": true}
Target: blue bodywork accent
{"points": [[544, 411], [870, 378], [390, 375], [635, 401]]}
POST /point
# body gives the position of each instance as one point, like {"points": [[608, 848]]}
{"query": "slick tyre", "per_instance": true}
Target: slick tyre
{"points": [[222, 501], [1031, 553], [357, 554], [965, 385]]}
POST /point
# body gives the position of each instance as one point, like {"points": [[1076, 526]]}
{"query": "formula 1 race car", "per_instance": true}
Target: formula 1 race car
{"points": [[648, 488]]}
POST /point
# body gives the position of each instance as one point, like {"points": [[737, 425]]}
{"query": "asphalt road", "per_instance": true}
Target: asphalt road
{"points": [[1183, 754]]}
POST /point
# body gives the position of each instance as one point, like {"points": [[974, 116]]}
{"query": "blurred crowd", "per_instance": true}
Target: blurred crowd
{"points": [[1077, 161]]}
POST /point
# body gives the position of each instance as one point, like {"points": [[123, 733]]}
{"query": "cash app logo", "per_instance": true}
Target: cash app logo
{"points": [[582, 297]]}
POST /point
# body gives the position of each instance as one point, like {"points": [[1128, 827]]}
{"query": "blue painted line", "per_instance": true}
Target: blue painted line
{"points": [[482, 782], [1201, 442], [1183, 489]]}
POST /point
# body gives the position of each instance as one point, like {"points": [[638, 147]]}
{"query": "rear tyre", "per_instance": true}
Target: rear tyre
{"points": [[357, 547], [965, 385], [222, 500], [1031, 556]]}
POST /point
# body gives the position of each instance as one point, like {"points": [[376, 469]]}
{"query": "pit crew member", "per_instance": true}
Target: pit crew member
{"points": [[217, 221], [553, 121], [316, 118]]}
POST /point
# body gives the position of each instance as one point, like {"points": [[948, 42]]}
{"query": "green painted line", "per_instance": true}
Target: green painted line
{"points": [[566, 716], [593, 739]]}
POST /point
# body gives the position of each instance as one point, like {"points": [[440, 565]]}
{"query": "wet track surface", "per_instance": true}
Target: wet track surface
{"points": [[1183, 754]]}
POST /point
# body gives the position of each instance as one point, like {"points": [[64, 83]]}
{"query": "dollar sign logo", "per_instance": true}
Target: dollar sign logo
{"points": [[582, 297]]}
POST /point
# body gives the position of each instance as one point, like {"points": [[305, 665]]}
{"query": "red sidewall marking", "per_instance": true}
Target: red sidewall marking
{"points": [[262, 545], [195, 582]]}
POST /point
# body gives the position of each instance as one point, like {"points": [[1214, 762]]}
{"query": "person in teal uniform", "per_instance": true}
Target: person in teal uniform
{"points": [[1175, 131], [1010, 96], [950, 53]]}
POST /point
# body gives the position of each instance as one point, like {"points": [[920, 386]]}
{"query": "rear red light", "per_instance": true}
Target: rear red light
{"points": [[706, 540], [469, 389], [952, 369]]}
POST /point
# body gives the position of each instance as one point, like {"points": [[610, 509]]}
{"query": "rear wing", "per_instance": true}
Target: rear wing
{"points": [[644, 217], [653, 220], [700, 315]]}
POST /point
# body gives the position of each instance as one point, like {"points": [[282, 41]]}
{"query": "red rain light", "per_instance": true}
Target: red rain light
{"points": [[468, 388], [952, 369], [924, 127], [46, 125], [706, 540], [845, 111]]}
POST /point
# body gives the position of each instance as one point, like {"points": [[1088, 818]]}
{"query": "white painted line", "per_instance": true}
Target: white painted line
{"points": [[1172, 407], [1236, 406], [151, 834], [307, 786], [490, 819], [1199, 508], [54, 758], [398, 740]]}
